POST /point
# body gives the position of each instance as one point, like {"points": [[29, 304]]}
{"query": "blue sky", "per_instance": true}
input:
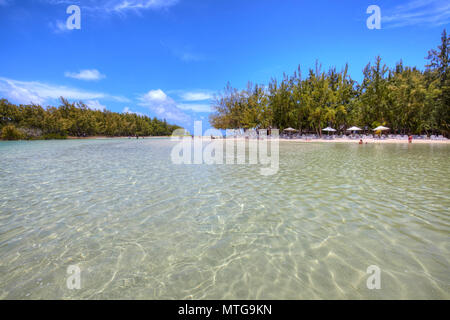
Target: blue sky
{"points": [[168, 58]]}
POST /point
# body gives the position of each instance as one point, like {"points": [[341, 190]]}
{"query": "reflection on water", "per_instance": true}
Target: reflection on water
{"points": [[140, 227]]}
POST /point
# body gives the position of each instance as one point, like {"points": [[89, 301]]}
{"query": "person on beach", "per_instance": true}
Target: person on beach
{"points": [[360, 141], [410, 139]]}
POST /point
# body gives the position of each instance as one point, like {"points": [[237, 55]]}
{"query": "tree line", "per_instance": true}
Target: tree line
{"points": [[404, 98], [74, 119]]}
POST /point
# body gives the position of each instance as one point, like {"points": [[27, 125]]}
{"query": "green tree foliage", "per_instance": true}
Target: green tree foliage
{"points": [[438, 74], [74, 119], [9, 132], [404, 98]]}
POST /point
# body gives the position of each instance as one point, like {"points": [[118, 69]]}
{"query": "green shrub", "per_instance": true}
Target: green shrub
{"points": [[52, 136], [10, 132]]}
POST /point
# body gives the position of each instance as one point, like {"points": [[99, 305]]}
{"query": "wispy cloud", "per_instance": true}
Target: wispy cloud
{"points": [[196, 101], [104, 9], [88, 75], [128, 110], [40, 93], [183, 52], [58, 26], [115, 6], [189, 56], [95, 105], [163, 106], [196, 95], [196, 107], [137, 5], [417, 12]]}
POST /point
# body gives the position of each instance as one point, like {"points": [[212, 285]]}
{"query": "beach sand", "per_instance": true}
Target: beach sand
{"points": [[322, 140], [380, 141]]}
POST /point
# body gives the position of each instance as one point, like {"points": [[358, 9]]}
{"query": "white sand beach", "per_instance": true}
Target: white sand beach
{"points": [[369, 140]]}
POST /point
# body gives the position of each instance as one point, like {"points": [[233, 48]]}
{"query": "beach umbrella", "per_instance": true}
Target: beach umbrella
{"points": [[380, 128], [328, 129], [290, 130], [354, 129]]}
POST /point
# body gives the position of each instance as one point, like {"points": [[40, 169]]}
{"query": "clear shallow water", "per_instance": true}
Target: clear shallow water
{"points": [[140, 227]]}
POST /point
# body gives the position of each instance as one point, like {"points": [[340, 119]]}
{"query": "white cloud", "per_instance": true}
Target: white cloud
{"points": [[129, 5], [189, 56], [40, 93], [88, 75], [17, 93], [156, 96], [199, 96], [183, 52], [196, 107], [128, 110], [104, 8], [95, 105], [58, 26], [196, 96], [116, 6], [418, 12], [163, 106]]}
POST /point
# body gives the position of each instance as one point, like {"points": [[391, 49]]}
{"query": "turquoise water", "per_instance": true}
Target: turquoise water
{"points": [[140, 227]]}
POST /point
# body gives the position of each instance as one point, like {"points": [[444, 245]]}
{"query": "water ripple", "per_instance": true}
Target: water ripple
{"points": [[140, 227]]}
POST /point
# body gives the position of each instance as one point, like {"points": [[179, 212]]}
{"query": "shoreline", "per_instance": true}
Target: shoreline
{"points": [[321, 140], [356, 141], [338, 140], [119, 137], [368, 141]]}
